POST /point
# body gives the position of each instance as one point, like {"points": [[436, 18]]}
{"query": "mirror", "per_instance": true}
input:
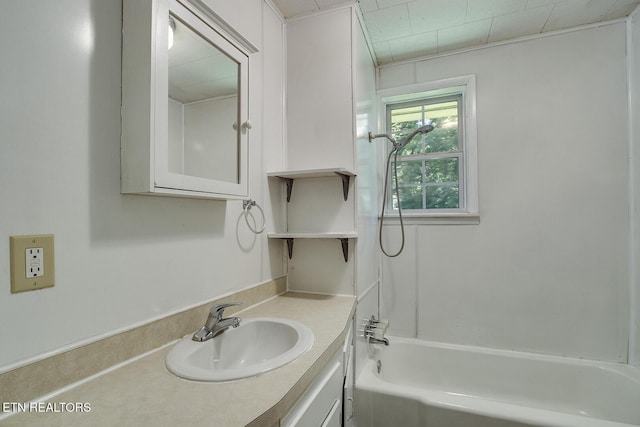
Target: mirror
{"points": [[185, 109], [203, 110]]}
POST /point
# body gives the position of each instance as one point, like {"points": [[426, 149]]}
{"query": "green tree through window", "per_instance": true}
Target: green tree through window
{"points": [[429, 167]]}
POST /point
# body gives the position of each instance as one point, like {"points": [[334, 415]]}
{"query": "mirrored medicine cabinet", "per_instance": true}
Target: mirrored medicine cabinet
{"points": [[185, 123]]}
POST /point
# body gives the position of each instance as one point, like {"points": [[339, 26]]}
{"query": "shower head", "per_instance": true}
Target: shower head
{"points": [[424, 129], [400, 145]]}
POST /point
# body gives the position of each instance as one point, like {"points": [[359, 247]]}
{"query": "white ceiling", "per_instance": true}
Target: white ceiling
{"points": [[404, 29], [197, 69]]}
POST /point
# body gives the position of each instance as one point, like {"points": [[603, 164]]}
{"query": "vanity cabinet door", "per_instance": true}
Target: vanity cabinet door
{"points": [[334, 419], [322, 402]]}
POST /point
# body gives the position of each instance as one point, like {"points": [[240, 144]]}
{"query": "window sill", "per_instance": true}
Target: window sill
{"points": [[445, 218]]}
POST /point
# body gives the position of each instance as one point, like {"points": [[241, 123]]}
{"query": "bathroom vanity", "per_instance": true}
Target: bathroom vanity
{"points": [[143, 392]]}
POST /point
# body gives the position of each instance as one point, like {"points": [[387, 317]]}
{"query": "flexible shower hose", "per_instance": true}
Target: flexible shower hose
{"points": [[393, 152]]}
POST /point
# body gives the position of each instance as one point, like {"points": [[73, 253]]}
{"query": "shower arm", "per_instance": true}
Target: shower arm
{"points": [[397, 146], [373, 136]]}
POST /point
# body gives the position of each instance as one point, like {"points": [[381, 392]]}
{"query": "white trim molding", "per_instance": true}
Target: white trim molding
{"points": [[467, 86]]}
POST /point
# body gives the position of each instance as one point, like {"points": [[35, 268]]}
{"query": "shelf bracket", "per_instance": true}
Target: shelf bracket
{"points": [[289, 182], [290, 247], [345, 249], [345, 184]]}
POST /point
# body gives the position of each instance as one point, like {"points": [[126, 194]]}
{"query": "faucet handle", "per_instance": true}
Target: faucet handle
{"points": [[218, 309]]}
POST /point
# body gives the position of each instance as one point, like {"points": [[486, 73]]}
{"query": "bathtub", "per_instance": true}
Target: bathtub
{"points": [[430, 384]]}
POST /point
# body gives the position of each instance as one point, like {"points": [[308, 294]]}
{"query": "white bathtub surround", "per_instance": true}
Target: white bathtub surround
{"points": [[432, 384], [547, 268], [633, 43]]}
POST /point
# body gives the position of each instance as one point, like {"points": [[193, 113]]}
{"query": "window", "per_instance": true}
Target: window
{"points": [[436, 171], [429, 169]]}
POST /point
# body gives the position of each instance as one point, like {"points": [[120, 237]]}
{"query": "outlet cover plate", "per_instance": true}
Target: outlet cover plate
{"points": [[19, 248]]}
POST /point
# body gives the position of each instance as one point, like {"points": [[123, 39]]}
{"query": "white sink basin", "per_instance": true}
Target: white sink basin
{"points": [[258, 345]]}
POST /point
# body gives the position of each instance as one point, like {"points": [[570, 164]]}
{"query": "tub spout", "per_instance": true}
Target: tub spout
{"points": [[382, 340], [374, 330]]}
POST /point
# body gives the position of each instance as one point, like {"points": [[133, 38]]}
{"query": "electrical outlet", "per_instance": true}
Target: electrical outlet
{"points": [[32, 262]]}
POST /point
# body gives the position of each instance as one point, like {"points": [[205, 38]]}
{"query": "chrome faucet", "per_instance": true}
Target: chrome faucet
{"points": [[216, 324], [374, 330]]}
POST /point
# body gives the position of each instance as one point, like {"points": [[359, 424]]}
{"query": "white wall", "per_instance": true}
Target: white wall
{"points": [[634, 85], [210, 142], [120, 259], [366, 162], [368, 260], [201, 140], [175, 137], [547, 268]]}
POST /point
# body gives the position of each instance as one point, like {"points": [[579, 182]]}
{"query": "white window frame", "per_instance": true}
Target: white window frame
{"points": [[468, 213]]}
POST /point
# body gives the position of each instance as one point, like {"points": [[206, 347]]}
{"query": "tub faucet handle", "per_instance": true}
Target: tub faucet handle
{"points": [[374, 331]]}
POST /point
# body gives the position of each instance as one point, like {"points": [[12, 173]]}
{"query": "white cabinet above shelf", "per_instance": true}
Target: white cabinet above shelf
{"points": [[290, 176], [342, 236]]}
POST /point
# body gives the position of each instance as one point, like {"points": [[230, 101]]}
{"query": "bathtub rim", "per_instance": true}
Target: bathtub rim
{"points": [[631, 370], [369, 381]]}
